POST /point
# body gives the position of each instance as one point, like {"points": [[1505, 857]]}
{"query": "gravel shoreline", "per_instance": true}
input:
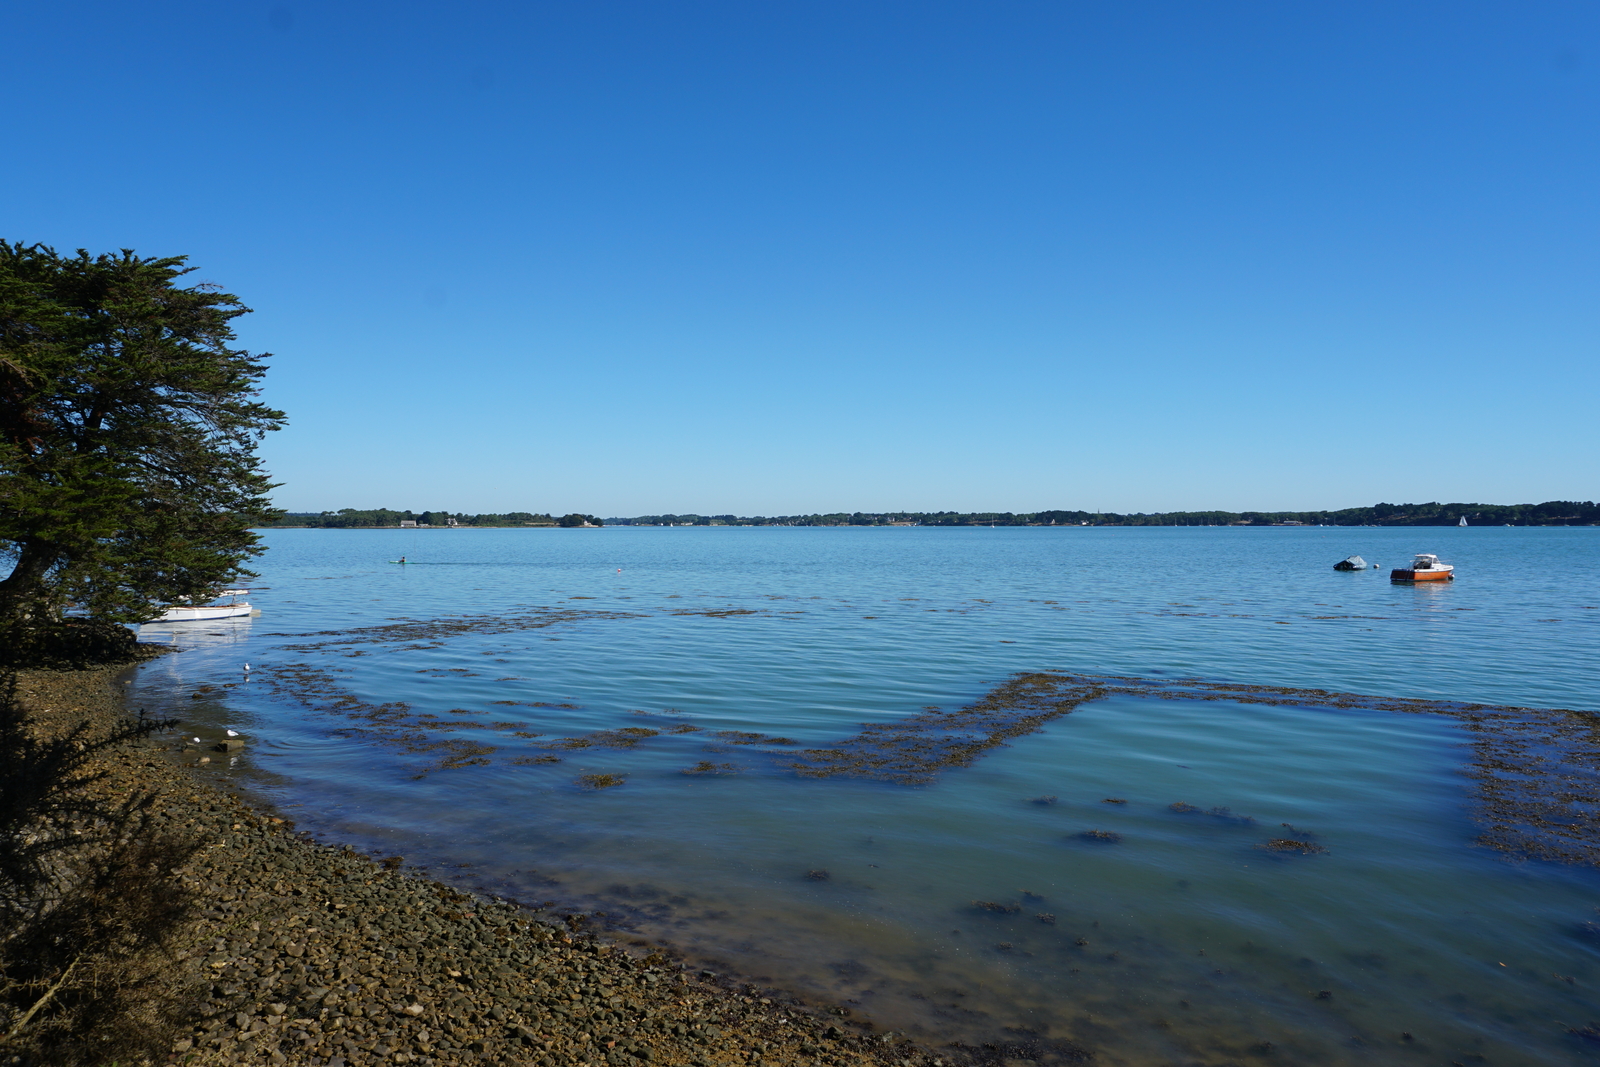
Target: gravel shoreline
{"points": [[316, 955]]}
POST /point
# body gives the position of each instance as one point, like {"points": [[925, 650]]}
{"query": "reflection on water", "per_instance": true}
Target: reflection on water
{"points": [[1134, 914]]}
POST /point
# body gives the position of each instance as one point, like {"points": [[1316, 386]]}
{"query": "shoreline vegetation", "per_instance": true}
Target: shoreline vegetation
{"points": [[1550, 513], [292, 951]]}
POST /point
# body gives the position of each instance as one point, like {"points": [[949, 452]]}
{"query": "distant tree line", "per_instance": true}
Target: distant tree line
{"points": [[354, 518], [1550, 513]]}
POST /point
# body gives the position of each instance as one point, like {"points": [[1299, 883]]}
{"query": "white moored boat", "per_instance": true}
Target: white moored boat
{"points": [[189, 613]]}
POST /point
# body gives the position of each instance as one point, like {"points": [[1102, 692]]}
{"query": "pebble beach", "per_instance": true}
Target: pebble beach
{"points": [[305, 952]]}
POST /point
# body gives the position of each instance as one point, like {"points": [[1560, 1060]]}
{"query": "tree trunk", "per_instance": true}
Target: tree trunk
{"points": [[23, 597]]}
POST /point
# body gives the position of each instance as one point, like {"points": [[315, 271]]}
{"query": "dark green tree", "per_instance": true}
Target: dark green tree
{"points": [[128, 434]]}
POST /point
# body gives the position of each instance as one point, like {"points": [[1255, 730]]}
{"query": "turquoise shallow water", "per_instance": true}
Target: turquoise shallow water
{"points": [[1197, 947]]}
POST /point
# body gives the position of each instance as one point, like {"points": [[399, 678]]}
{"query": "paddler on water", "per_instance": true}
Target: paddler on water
{"points": [[402, 559]]}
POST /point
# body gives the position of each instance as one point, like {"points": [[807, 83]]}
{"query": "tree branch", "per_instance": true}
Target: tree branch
{"points": [[42, 1001]]}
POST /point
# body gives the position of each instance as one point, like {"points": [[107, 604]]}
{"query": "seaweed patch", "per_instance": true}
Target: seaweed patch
{"points": [[1536, 770], [600, 781], [996, 907], [1291, 846], [438, 630], [913, 750], [391, 724], [1224, 814], [722, 614], [742, 737], [707, 767], [627, 737]]}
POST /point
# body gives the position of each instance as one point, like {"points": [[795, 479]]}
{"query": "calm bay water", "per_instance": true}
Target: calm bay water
{"points": [[1182, 942]]}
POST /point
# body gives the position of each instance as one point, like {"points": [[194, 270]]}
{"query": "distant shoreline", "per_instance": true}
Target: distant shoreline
{"points": [[1549, 513]]}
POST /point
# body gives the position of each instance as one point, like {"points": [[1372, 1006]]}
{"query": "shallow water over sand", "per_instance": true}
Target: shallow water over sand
{"points": [[1175, 939]]}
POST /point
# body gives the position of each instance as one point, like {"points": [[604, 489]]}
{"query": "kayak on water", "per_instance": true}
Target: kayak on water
{"points": [[400, 561]]}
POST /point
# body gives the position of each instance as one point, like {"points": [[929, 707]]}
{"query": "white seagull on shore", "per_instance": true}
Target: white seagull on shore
{"points": [[197, 740], [233, 733], [247, 666]]}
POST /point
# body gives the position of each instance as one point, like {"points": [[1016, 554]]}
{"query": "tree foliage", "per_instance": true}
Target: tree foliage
{"points": [[128, 434]]}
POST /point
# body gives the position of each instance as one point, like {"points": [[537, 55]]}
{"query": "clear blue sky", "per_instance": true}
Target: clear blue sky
{"points": [[775, 257]]}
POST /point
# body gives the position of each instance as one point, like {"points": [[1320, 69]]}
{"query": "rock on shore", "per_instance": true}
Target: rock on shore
{"points": [[308, 954]]}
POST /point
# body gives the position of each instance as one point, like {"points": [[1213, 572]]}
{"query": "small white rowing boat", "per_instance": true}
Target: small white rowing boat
{"points": [[188, 612]]}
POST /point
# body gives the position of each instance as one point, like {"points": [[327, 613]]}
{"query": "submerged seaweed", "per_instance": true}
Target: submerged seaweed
{"points": [[993, 906], [743, 737], [913, 750], [391, 724], [627, 737], [1291, 845], [438, 630], [1536, 771], [1224, 814], [707, 767], [600, 781]]}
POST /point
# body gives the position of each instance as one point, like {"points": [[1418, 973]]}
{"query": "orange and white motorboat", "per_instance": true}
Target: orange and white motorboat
{"points": [[1425, 568]]}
